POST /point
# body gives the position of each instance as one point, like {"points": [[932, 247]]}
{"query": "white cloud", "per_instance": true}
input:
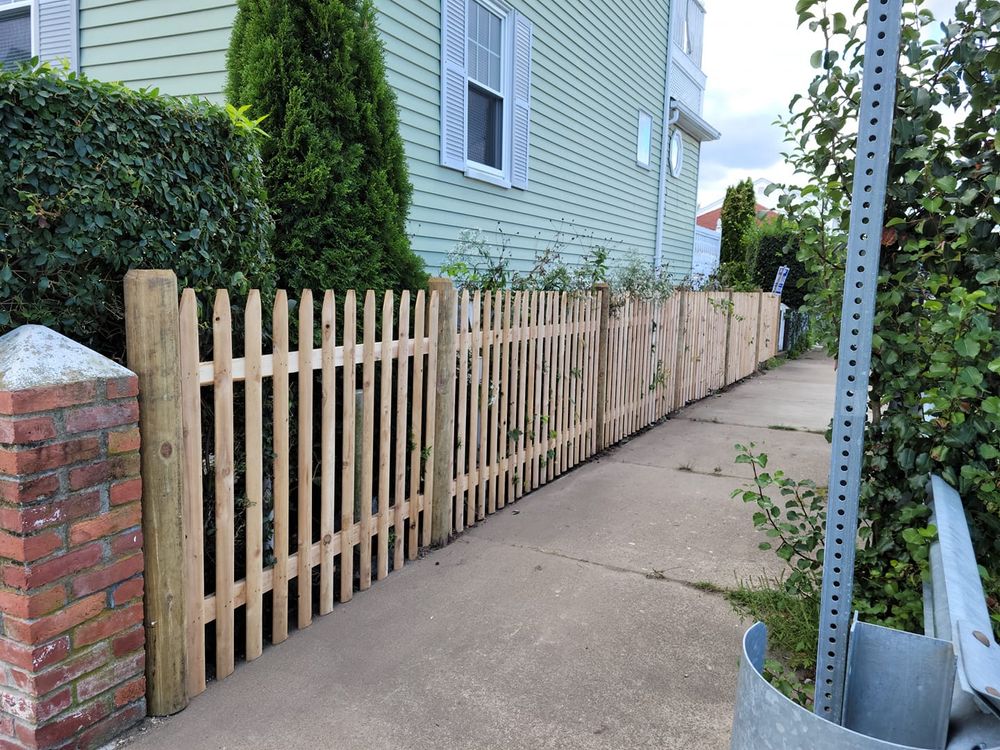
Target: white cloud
{"points": [[756, 60]]}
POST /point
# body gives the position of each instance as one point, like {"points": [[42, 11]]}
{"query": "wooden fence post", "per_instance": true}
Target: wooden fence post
{"points": [[729, 332], [444, 411], [604, 290], [679, 394], [152, 330]]}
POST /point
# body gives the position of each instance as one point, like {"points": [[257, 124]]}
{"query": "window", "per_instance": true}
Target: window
{"points": [[15, 33], [644, 139], [676, 153], [485, 127], [689, 28], [485, 91]]}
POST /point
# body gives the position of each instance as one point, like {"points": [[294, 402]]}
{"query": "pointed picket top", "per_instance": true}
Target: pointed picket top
{"points": [[34, 356]]}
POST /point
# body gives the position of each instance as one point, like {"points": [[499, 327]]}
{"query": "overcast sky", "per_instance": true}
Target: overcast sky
{"points": [[756, 60]]}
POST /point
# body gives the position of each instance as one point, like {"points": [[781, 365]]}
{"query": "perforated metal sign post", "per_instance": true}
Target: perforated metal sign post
{"points": [[854, 363]]}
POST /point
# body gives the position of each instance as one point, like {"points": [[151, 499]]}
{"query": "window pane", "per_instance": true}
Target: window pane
{"points": [[645, 139], [484, 67], [15, 37], [485, 128], [494, 79], [494, 34]]}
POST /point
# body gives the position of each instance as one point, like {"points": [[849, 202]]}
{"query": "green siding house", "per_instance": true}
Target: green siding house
{"points": [[535, 122]]}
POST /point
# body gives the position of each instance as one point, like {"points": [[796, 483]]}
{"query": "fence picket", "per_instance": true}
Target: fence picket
{"points": [[402, 400], [279, 593], [254, 432], [328, 453], [416, 425], [536, 355], [503, 403], [484, 403], [461, 423], [522, 391], [431, 399], [347, 451], [367, 442], [304, 464], [474, 412], [384, 437], [225, 500], [193, 519]]}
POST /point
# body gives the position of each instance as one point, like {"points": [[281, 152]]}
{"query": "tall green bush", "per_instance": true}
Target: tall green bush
{"points": [[334, 165], [776, 244], [96, 179], [738, 219], [935, 381]]}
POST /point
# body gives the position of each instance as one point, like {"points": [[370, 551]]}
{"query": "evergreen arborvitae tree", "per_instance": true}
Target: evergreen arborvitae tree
{"points": [[739, 212], [334, 162]]}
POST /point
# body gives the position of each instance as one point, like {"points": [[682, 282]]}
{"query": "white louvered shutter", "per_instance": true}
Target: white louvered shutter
{"points": [[58, 31], [522, 102], [453, 83]]}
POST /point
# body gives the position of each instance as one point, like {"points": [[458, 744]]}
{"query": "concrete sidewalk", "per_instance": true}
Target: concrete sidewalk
{"points": [[569, 620]]}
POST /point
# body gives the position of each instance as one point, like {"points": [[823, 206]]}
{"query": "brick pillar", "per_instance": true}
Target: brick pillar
{"points": [[71, 569]]}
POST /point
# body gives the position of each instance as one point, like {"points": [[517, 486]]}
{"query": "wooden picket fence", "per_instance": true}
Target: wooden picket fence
{"points": [[440, 411]]}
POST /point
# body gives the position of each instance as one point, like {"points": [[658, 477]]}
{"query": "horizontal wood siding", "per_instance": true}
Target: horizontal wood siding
{"points": [[178, 46], [681, 207], [593, 69], [594, 66]]}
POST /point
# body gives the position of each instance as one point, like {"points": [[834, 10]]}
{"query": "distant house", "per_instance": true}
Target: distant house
{"points": [[710, 215], [548, 119]]}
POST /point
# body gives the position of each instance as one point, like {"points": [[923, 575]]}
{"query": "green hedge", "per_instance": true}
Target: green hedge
{"points": [[777, 243], [96, 179]]}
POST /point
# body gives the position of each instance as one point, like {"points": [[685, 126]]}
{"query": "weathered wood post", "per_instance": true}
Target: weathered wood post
{"points": [[444, 411], [151, 328], [679, 398], [604, 290]]}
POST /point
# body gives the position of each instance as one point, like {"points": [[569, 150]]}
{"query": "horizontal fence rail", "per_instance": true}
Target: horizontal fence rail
{"points": [[310, 458]]}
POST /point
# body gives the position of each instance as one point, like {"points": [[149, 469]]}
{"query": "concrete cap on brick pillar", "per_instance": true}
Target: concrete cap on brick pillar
{"points": [[36, 357]]}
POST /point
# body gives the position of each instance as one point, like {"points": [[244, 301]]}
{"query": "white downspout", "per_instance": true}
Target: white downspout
{"points": [[668, 120]]}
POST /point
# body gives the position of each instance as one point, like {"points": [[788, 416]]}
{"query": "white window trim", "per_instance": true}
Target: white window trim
{"points": [[676, 170], [33, 15], [473, 169]]}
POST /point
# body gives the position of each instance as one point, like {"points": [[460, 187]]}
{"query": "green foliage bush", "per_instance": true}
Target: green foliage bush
{"points": [[739, 215], [935, 385], [96, 179], [776, 244], [334, 164]]}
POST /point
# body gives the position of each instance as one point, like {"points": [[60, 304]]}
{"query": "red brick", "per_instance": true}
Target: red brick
{"points": [[126, 492], [110, 676], [102, 578], [34, 658], [129, 642], [29, 548], [59, 731], [26, 491], [89, 418], [33, 460], [123, 387], [26, 520], [131, 589], [46, 398], [109, 728], [130, 691], [7, 725], [29, 430], [40, 574], [125, 441], [62, 674], [107, 625], [30, 606], [105, 524], [119, 467], [130, 540], [33, 709], [45, 628]]}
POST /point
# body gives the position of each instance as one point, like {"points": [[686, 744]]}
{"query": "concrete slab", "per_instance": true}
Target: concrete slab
{"points": [[568, 620]]}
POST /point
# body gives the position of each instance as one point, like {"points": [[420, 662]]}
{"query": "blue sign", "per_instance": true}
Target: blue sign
{"points": [[779, 280]]}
